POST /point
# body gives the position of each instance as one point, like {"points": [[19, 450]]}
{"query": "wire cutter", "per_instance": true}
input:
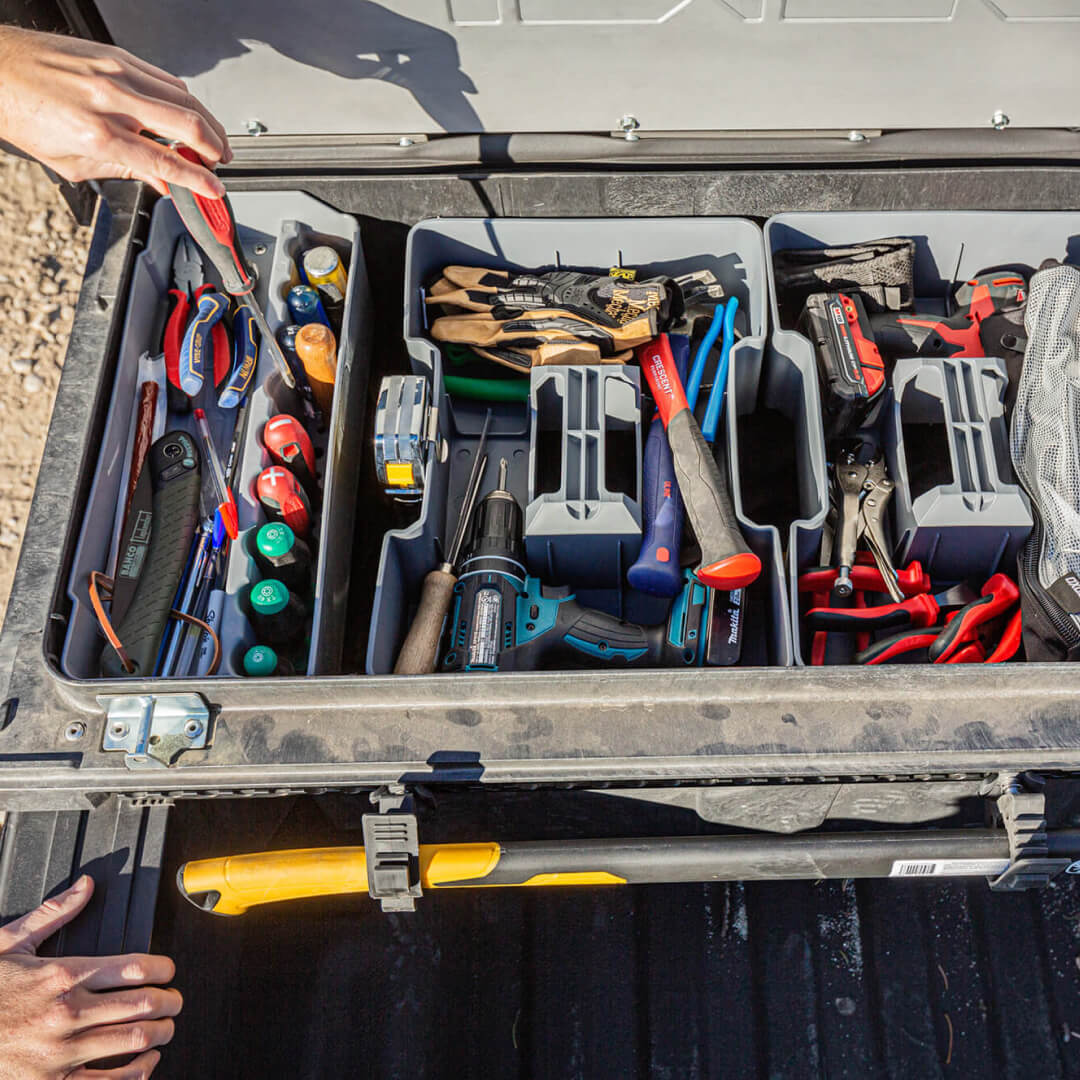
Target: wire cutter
{"points": [[966, 634], [914, 613], [188, 288]]}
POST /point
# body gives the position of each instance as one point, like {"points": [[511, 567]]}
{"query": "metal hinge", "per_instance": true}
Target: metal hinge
{"points": [[153, 730], [1023, 815], [392, 850]]}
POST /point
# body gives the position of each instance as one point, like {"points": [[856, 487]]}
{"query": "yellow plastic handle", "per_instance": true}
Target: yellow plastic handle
{"points": [[232, 885]]}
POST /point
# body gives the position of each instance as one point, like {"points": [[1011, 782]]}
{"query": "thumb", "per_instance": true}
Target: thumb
{"points": [[26, 934]]}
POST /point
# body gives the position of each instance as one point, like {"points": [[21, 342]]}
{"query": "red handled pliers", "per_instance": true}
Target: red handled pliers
{"points": [[963, 638], [914, 613], [188, 286]]}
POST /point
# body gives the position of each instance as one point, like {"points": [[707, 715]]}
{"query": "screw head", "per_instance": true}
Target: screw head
{"points": [[255, 127], [118, 729], [193, 728], [629, 125], [856, 136], [74, 732], [405, 141], [1000, 120]]}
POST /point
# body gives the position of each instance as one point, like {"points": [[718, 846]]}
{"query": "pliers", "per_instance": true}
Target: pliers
{"points": [[188, 290], [964, 636], [861, 496], [913, 613]]}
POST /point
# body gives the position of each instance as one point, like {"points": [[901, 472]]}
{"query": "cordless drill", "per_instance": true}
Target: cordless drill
{"points": [[505, 620], [852, 347]]}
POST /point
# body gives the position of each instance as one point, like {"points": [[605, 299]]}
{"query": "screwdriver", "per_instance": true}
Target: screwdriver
{"points": [[212, 225], [226, 504], [421, 647]]}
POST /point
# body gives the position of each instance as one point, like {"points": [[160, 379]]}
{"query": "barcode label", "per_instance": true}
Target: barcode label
{"points": [[947, 867], [914, 869]]}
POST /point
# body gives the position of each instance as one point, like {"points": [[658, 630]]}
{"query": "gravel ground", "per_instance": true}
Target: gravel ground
{"points": [[42, 255]]}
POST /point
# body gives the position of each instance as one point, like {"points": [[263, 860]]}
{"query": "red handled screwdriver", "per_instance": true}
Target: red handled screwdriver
{"points": [[288, 444], [284, 499], [212, 225]]}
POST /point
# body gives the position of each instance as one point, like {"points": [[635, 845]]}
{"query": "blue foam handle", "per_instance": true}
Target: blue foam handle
{"points": [[197, 345], [657, 570], [715, 409], [701, 357]]}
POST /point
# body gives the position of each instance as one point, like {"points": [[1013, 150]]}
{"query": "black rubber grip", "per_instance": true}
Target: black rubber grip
{"points": [[174, 470], [705, 494]]}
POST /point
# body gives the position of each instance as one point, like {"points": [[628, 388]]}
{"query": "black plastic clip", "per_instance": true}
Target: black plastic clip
{"points": [[1023, 814], [392, 850]]}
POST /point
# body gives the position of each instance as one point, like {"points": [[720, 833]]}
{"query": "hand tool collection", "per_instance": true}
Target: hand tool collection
{"points": [[504, 596], [193, 588], [894, 391]]}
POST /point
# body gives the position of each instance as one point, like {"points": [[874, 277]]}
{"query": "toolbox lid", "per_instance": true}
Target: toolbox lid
{"points": [[519, 66]]}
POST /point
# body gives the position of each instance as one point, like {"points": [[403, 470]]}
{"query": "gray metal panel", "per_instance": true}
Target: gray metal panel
{"points": [[562, 65]]}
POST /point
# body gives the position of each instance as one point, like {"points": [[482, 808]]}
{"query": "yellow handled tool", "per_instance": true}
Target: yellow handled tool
{"points": [[231, 885]]}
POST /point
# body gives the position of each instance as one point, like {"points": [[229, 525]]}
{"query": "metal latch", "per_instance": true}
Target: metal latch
{"points": [[154, 729], [1023, 814], [392, 850]]}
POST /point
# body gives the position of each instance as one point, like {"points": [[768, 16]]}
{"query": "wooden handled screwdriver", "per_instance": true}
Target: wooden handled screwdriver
{"points": [[421, 647], [212, 225]]}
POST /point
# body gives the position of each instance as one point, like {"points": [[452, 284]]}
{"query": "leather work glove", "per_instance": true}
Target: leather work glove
{"points": [[560, 317]]}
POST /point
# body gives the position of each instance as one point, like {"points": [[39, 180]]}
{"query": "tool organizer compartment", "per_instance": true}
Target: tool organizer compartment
{"points": [[275, 227], [730, 248], [958, 507]]}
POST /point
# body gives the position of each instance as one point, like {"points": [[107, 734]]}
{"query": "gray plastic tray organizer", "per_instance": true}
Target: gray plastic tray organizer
{"points": [[730, 247], [274, 228], [976, 523], [949, 246], [583, 518]]}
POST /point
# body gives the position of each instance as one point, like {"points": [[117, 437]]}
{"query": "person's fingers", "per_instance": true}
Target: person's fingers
{"points": [[139, 1069], [153, 70], [26, 934], [175, 123], [211, 141], [116, 1039], [137, 158], [122, 1006], [113, 972]]}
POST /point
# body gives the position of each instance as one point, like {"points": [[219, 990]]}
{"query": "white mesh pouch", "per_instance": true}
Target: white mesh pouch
{"points": [[1046, 423]]}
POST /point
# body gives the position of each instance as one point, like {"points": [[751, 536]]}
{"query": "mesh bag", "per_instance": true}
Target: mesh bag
{"points": [[1046, 418]]}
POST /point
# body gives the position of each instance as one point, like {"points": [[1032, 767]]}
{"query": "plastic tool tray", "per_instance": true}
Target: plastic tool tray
{"points": [[275, 228], [553, 485], [941, 424]]}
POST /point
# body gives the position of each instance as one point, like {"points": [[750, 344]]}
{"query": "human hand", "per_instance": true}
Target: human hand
{"points": [[56, 1014], [78, 107]]}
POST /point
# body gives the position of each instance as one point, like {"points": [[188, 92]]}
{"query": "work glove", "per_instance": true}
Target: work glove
{"points": [[559, 317]]}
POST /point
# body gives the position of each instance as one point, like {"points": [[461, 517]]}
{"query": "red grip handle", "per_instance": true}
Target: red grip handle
{"points": [[212, 225], [915, 612], [999, 594], [658, 364]]}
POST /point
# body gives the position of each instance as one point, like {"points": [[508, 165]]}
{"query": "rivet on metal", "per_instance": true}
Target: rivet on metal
{"points": [[1000, 120], [74, 732]]}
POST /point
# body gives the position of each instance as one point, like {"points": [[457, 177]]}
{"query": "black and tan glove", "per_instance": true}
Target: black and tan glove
{"points": [[561, 317]]}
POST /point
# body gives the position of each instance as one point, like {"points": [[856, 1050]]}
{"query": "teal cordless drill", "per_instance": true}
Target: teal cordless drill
{"points": [[505, 620]]}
